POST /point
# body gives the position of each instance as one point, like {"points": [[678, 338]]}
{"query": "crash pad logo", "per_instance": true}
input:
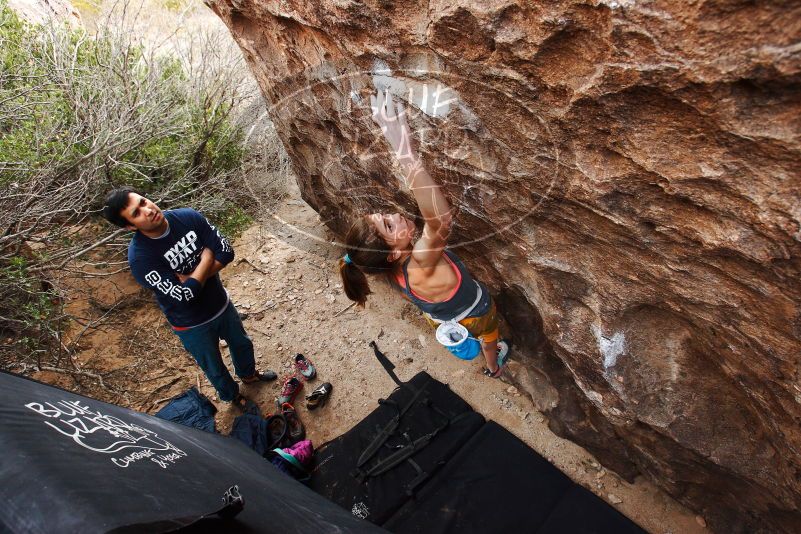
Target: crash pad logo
{"points": [[360, 510], [126, 443]]}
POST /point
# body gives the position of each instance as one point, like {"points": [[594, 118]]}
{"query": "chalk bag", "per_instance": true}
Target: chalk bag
{"points": [[455, 337]]}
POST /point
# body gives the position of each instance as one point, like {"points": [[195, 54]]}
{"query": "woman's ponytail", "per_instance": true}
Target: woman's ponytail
{"points": [[367, 253], [354, 282]]}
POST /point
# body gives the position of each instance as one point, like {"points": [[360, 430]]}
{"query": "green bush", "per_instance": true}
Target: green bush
{"points": [[233, 221], [48, 123]]}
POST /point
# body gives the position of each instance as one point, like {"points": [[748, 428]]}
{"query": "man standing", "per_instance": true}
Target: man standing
{"points": [[177, 254]]}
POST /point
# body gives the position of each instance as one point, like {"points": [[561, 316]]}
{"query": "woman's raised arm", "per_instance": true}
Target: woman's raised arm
{"points": [[434, 207]]}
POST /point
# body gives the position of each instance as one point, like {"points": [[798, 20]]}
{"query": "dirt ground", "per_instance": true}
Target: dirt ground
{"points": [[284, 280]]}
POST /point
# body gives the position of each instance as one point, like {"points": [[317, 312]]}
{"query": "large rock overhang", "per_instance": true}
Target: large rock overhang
{"points": [[627, 181]]}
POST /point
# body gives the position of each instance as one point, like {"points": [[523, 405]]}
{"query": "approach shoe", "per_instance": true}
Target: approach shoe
{"points": [[289, 390], [305, 367], [503, 359]]}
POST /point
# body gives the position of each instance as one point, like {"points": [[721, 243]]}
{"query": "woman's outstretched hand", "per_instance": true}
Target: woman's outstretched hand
{"points": [[391, 118]]}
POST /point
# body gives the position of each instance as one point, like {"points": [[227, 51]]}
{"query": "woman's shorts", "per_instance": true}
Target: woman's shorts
{"points": [[485, 327]]}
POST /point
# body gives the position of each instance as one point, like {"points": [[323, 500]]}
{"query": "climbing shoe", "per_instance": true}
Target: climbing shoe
{"points": [[503, 359], [289, 390], [304, 366], [318, 397]]}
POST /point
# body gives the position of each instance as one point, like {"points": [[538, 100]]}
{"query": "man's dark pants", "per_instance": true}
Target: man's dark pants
{"points": [[203, 343]]}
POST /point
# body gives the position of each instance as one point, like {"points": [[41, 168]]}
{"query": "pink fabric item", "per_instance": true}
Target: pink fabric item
{"points": [[302, 451]]}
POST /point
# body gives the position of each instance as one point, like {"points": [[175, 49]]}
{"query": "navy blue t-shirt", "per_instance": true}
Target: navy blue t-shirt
{"points": [[154, 263]]}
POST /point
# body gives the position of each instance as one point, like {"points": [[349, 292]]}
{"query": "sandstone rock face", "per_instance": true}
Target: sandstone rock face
{"points": [[628, 180]]}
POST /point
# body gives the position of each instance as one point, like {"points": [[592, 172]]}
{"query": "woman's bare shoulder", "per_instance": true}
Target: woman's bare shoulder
{"points": [[429, 271]]}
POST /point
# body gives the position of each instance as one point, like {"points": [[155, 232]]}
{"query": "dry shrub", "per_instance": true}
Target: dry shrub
{"points": [[168, 110]]}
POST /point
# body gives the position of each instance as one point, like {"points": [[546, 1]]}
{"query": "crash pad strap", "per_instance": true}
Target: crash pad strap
{"points": [[387, 365], [388, 430]]}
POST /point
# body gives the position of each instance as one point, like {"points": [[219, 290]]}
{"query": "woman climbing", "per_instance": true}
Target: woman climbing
{"points": [[429, 275]]}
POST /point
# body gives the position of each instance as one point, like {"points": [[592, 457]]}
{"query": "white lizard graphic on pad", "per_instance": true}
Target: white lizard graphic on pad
{"points": [[106, 434]]}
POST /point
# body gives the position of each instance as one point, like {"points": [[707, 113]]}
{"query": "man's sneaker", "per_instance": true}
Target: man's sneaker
{"points": [[305, 367], [245, 405], [260, 376], [289, 390]]}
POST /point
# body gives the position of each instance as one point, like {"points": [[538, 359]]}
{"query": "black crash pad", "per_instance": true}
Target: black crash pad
{"points": [[580, 511], [377, 498], [75, 464], [496, 483], [483, 479]]}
